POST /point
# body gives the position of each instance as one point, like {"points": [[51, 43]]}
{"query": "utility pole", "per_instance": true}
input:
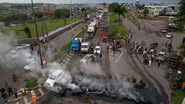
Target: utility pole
{"points": [[37, 35]]}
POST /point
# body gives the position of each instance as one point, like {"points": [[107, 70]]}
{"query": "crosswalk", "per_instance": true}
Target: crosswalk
{"points": [[67, 58], [27, 98]]}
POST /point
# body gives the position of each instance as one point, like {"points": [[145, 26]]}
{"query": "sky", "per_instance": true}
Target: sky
{"points": [[89, 1]]}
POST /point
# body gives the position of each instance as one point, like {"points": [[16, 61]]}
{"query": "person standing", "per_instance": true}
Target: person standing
{"points": [[15, 93], [10, 91], [159, 63]]}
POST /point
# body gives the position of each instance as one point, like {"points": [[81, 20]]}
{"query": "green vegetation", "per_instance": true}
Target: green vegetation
{"points": [[146, 12], [133, 20], [51, 24], [181, 16], [117, 29], [118, 9], [31, 83], [178, 97], [10, 16], [62, 13]]}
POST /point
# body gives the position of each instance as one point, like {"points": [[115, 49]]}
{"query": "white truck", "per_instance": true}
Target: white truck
{"points": [[91, 27], [85, 47]]}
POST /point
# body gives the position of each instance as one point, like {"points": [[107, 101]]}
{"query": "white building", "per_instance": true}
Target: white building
{"points": [[156, 9]]}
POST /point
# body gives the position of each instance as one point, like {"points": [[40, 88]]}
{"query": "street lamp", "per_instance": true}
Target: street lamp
{"points": [[37, 35]]}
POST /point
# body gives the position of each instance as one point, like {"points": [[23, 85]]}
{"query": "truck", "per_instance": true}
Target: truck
{"points": [[104, 33], [85, 47], [75, 45], [91, 27]]}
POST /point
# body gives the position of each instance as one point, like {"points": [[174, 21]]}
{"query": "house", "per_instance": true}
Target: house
{"points": [[156, 10]]}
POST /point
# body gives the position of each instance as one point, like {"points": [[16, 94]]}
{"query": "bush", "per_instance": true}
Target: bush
{"points": [[31, 83]]}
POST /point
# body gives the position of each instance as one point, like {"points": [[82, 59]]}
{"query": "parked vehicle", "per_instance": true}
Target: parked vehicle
{"points": [[75, 45], [91, 27], [85, 46], [88, 58], [164, 30], [104, 33], [97, 50], [51, 82], [169, 35], [161, 56]]}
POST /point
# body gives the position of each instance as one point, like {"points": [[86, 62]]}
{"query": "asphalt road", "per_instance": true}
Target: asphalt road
{"points": [[155, 75]]}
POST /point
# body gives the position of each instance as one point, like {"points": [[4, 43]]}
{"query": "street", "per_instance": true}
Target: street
{"points": [[105, 59]]}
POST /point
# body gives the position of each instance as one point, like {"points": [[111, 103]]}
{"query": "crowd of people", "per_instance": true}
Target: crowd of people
{"points": [[7, 90], [149, 54]]}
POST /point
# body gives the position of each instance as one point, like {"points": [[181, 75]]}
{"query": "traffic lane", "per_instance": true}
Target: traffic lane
{"points": [[122, 66], [66, 37]]}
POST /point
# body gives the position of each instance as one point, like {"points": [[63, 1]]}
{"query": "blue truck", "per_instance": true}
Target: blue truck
{"points": [[75, 45]]}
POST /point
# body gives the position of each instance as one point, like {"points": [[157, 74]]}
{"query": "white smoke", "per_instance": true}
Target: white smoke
{"points": [[58, 73], [15, 58]]}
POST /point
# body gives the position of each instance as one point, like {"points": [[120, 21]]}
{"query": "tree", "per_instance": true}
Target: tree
{"points": [[120, 10], [38, 15], [146, 12], [62, 13], [181, 15], [113, 6], [27, 31]]}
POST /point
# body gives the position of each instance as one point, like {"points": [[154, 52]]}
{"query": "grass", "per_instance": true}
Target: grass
{"points": [[133, 20], [51, 24], [31, 83], [117, 29], [178, 97]]}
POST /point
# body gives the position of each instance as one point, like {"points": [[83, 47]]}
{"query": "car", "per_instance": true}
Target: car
{"points": [[164, 30], [97, 50], [169, 35], [23, 46], [161, 56], [87, 58]]}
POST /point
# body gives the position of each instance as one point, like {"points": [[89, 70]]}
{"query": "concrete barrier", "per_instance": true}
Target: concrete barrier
{"points": [[53, 34]]}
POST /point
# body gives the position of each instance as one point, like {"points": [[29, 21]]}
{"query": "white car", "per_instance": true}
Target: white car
{"points": [[85, 46], [161, 56], [52, 80], [87, 58], [97, 50], [23, 46], [169, 35], [164, 30]]}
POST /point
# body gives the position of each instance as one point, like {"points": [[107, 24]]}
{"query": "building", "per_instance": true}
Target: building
{"points": [[156, 10]]}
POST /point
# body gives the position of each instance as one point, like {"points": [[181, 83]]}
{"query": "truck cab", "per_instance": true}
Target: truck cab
{"points": [[104, 33], [75, 45]]}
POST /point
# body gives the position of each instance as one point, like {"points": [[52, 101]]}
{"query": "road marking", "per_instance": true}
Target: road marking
{"points": [[119, 56], [64, 61], [33, 93], [69, 56], [17, 103], [25, 100], [40, 90]]}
